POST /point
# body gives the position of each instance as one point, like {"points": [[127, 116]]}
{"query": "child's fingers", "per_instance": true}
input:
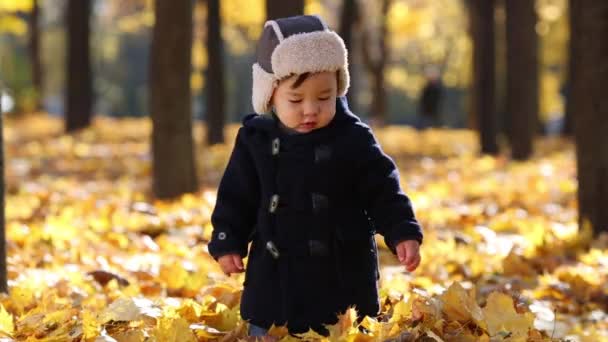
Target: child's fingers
{"points": [[228, 265], [401, 252], [238, 263], [412, 254], [414, 264]]}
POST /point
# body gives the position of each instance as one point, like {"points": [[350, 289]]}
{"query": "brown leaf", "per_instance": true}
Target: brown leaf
{"points": [[104, 277]]}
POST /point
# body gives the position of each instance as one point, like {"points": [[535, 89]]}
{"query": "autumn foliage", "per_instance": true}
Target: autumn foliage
{"points": [[91, 257]]}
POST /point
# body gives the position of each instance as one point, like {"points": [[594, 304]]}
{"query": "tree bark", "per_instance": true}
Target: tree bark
{"points": [[170, 100], [3, 275], [348, 19], [215, 116], [483, 88], [522, 77], [79, 79], [573, 18], [34, 46], [591, 119], [376, 66], [283, 8]]}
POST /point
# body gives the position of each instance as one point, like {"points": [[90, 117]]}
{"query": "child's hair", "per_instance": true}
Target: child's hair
{"points": [[302, 77], [300, 45]]}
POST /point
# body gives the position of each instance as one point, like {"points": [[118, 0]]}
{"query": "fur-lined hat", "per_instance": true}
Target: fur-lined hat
{"points": [[296, 45]]}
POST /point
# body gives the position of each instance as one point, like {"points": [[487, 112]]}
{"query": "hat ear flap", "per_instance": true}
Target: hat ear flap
{"points": [[343, 81], [263, 88]]}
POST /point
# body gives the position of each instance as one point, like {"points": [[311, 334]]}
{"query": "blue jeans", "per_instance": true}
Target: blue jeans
{"points": [[258, 331]]}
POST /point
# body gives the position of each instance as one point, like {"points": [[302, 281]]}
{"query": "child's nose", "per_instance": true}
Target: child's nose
{"points": [[311, 108]]}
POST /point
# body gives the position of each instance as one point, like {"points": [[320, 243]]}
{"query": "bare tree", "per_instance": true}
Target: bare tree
{"points": [[591, 118], [573, 18], [215, 115], [34, 46], [483, 89], [79, 79], [283, 8], [522, 76], [348, 20], [375, 60], [3, 277], [170, 100]]}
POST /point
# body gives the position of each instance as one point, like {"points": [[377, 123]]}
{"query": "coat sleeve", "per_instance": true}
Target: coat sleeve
{"points": [[389, 209], [234, 215]]}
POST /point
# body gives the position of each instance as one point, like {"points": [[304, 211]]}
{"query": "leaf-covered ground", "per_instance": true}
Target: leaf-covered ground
{"points": [[92, 258]]}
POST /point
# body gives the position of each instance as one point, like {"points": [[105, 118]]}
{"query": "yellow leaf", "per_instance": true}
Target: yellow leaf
{"points": [[370, 324], [190, 310], [515, 264], [278, 331], [90, 327], [16, 5], [172, 329], [347, 324], [312, 335], [21, 297], [174, 275], [224, 318], [402, 310], [460, 306], [7, 325], [206, 332], [129, 309], [13, 24], [57, 317], [501, 317]]}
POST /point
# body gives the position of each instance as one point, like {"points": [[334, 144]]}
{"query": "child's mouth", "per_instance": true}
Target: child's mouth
{"points": [[308, 125]]}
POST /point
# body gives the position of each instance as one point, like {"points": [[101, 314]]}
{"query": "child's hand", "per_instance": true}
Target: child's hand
{"points": [[231, 263], [408, 252]]}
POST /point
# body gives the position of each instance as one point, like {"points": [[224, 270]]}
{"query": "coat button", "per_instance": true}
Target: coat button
{"points": [[320, 202], [274, 203], [221, 236], [276, 145], [322, 153]]}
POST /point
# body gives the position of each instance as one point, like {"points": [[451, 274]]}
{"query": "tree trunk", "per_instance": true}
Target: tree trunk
{"points": [[378, 106], [348, 19], [573, 18], [376, 66], [170, 100], [34, 47], [3, 277], [591, 119], [522, 77], [215, 116], [79, 79], [484, 109], [283, 8]]}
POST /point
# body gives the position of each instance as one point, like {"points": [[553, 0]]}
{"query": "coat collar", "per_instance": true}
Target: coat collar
{"points": [[270, 125]]}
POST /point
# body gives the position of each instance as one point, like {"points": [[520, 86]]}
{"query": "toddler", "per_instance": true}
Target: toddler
{"points": [[308, 185]]}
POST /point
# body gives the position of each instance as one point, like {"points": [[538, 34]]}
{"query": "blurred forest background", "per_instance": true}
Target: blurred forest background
{"points": [[119, 118], [417, 35]]}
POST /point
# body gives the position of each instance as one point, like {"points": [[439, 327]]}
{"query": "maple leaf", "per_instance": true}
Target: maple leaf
{"points": [[460, 305], [174, 329], [129, 309], [502, 319], [7, 326]]}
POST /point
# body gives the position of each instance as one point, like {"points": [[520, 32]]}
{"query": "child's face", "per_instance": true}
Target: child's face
{"points": [[309, 106]]}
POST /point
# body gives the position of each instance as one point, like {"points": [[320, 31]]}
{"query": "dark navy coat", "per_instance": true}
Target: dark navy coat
{"points": [[310, 204]]}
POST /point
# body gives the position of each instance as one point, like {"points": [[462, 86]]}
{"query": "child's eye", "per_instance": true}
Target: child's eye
{"points": [[295, 101], [323, 98]]}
